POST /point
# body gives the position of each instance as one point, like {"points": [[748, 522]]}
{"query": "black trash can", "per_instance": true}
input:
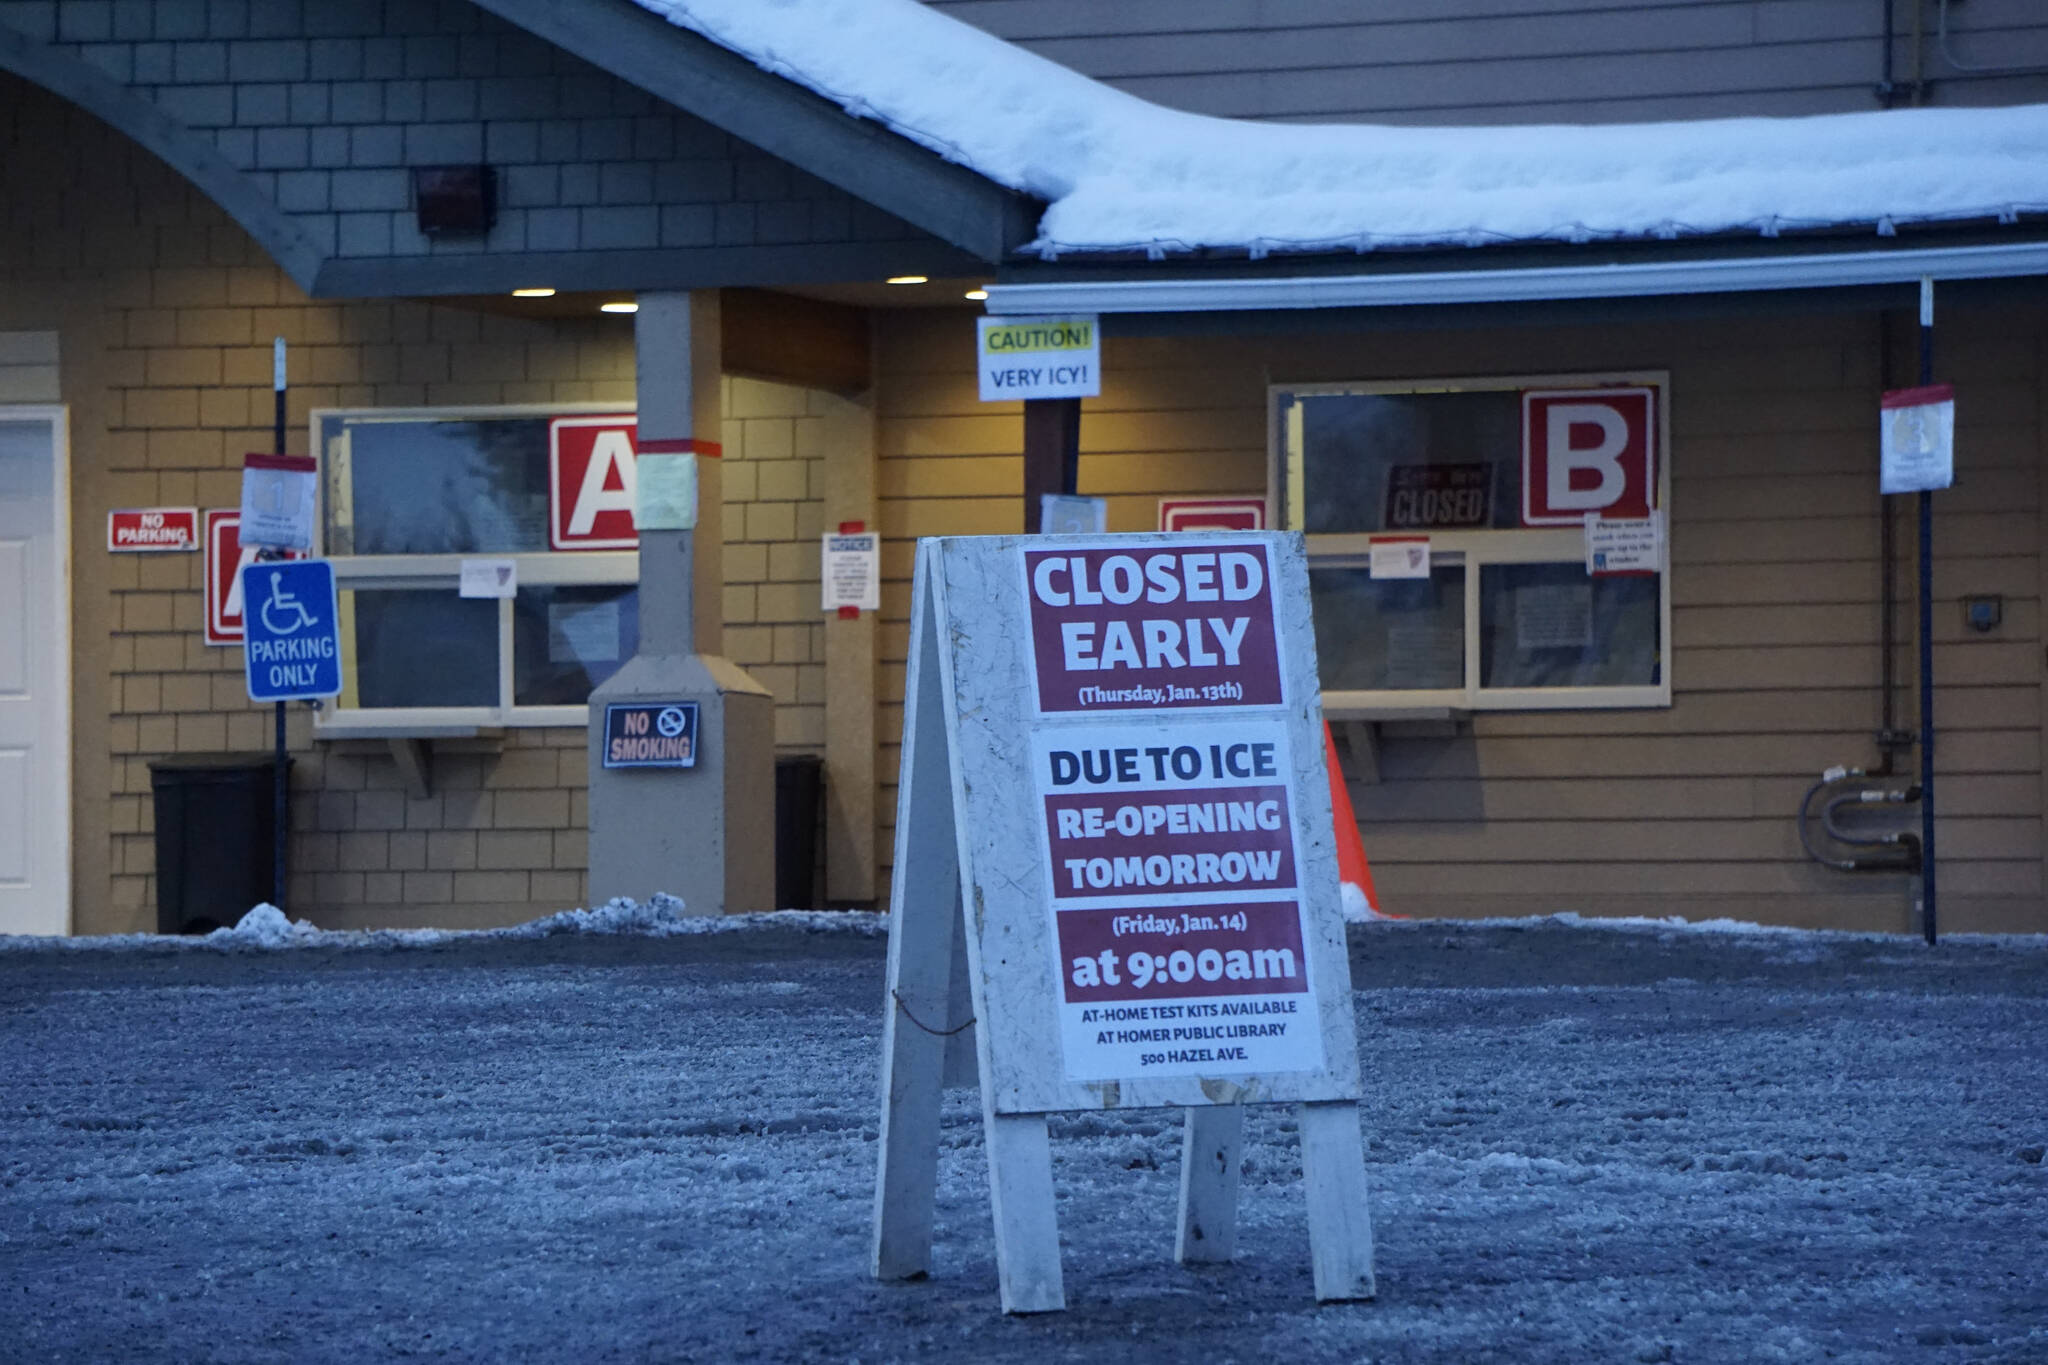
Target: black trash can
{"points": [[799, 803], [214, 832]]}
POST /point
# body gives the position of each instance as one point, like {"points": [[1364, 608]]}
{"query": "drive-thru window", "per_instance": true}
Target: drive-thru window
{"points": [[540, 499], [1448, 539]]}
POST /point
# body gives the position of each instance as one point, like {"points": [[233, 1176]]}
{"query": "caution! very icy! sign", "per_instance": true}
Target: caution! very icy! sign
{"points": [[1040, 358]]}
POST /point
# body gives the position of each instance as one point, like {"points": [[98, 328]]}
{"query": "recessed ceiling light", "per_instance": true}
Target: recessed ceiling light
{"points": [[533, 293], [909, 279], [618, 308], [975, 294]]}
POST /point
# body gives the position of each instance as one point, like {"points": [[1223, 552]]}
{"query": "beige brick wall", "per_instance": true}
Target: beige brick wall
{"points": [[774, 518], [189, 393], [165, 311]]}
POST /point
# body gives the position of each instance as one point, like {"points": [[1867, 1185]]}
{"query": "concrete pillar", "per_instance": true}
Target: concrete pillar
{"points": [[696, 831]]}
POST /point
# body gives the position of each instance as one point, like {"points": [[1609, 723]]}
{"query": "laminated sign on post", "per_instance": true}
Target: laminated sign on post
{"points": [[1918, 447], [277, 501], [1164, 928], [1040, 358]]}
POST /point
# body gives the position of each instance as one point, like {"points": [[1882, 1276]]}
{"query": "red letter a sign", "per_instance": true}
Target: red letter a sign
{"points": [[591, 483]]}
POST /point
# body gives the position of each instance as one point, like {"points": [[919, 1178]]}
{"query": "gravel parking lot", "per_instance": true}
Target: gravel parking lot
{"points": [[1586, 1143]]}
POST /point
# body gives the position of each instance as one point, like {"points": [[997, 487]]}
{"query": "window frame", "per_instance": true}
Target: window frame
{"points": [[536, 568], [1474, 549]]}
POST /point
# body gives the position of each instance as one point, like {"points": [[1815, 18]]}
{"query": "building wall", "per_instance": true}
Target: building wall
{"points": [[164, 312], [1775, 585], [326, 104], [1527, 61]]}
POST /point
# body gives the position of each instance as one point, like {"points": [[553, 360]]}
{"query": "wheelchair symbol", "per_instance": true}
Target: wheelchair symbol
{"points": [[670, 722], [287, 608]]}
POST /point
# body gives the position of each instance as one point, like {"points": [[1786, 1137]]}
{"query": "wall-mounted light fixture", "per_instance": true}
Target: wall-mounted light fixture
{"points": [[454, 201]]}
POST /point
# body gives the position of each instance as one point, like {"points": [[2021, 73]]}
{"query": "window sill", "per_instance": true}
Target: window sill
{"points": [[1393, 712], [438, 723], [337, 731]]}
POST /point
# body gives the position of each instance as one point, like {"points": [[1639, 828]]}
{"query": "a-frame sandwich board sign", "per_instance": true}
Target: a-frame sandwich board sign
{"points": [[1113, 787]]}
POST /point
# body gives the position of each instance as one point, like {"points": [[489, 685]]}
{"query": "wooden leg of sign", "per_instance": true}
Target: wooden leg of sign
{"points": [[1211, 1151], [913, 1066], [962, 1067], [1027, 1226], [924, 916], [1339, 1223]]}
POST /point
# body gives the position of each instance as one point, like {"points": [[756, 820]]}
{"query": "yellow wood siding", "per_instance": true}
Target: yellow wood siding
{"points": [[1775, 591]]}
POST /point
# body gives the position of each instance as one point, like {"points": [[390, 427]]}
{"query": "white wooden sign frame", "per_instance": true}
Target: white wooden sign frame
{"points": [[970, 873]]}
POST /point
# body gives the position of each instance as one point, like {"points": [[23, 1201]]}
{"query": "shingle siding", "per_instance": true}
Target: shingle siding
{"points": [[435, 82]]}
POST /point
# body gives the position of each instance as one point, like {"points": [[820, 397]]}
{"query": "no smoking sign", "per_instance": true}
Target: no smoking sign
{"points": [[650, 734]]}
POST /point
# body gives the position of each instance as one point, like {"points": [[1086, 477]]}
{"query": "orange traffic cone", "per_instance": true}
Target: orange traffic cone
{"points": [[1361, 901]]}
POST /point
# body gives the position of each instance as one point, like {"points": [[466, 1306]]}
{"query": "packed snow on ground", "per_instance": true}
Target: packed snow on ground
{"points": [[1632, 1143], [1122, 174], [266, 927]]}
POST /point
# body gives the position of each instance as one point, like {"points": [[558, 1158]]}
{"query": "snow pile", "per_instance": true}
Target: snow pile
{"points": [[663, 916], [266, 927], [1122, 174], [1358, 907], [658, 917]]}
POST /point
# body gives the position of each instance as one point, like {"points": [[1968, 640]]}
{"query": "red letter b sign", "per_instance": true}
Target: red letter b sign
{"points": [[1588, 450]]}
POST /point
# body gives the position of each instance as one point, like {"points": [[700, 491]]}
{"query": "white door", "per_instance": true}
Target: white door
{"points": [[35, 651]]}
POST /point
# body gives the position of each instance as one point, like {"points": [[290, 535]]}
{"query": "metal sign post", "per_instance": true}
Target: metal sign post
{"points": [[1917, 455], [280, 777], [1928, 918]]}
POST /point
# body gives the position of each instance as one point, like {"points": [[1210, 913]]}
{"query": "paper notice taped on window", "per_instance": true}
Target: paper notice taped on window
{"points": [[1399, 557], [1634, 545], [489, 578], [1554, 616], [1425, 655], [583, 632]]}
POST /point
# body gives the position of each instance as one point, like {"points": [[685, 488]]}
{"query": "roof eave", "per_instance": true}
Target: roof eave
{"points": [[865, 159], [1131, 292]]}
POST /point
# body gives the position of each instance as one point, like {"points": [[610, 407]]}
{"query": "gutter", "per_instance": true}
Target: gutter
{"points": [[1709, 276]]}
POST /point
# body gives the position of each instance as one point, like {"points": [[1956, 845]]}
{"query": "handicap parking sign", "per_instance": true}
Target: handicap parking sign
{"points": [[292, 630]]}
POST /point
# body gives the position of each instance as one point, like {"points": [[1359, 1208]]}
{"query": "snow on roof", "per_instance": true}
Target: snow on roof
{"points": [[1121, 174]]}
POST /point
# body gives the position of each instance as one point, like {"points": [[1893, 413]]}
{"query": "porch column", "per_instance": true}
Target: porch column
{"points": [[692, 822]]}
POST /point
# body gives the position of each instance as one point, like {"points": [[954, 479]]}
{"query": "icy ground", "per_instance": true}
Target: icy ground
{"points": [[1586, 1145]]}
